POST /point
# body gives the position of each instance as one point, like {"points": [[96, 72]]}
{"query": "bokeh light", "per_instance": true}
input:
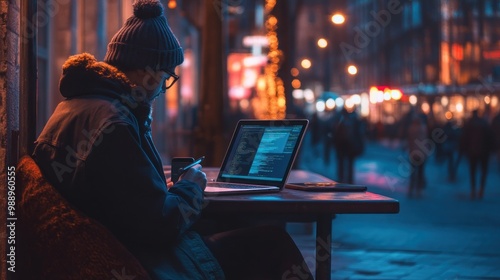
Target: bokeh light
{"points": [[352, 70], [338, 18], [322, 43], [413, 100], [306, 63], [296, 83]]}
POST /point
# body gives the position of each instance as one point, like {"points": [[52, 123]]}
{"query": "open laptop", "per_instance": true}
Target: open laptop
{"points": [[259, 157]]}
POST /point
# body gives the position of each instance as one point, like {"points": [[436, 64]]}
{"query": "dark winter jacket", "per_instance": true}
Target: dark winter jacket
{"points": [[348, 134], [477, 139], [97, 150]]}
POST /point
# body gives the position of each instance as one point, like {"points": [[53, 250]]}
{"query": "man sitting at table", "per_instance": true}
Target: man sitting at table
{"points": [[97, 150]]}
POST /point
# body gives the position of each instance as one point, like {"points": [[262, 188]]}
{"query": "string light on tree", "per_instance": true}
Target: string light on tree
{"points": [[270, 102]]}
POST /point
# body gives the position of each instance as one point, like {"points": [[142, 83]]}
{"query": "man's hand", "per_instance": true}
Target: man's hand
{"points": [[195, 175], [169, 183]]}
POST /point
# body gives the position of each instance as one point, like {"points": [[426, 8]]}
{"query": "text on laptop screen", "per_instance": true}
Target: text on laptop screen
{"points": [[262, 153]]}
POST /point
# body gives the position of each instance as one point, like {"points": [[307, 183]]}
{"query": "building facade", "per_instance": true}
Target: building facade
{"points": [[440, 57], [443, 54]]}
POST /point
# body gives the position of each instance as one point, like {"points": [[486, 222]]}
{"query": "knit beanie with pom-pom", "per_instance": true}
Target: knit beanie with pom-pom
{"points": [[145, 41]]}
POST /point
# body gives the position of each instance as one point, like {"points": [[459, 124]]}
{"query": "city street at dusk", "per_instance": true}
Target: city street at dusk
{"points": [[154, 139], [442, 235]]}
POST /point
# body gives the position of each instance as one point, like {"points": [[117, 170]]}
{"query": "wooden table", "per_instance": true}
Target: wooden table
{"points": [[300, 206]]}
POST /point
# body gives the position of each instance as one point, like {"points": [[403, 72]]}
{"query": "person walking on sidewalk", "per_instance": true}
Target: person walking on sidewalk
{"points": [[416, 134], [449, 148], [348, 139], [476, 143], [315, 132], [495, 126]]}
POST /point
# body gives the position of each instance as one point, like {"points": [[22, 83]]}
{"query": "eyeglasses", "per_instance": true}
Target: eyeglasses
{"points": [[170, 81]]}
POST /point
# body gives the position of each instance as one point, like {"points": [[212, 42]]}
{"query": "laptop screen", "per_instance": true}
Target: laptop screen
{"points": [[262, 152]]}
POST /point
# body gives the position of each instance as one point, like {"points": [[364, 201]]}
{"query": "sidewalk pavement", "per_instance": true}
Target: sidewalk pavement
{"points": [[442, 235]]}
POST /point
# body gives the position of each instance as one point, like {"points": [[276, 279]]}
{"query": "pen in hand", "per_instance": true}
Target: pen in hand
{"points": [[182, 170]]}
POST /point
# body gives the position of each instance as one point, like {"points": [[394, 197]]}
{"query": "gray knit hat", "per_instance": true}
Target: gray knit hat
{"points": [[145, 40]]}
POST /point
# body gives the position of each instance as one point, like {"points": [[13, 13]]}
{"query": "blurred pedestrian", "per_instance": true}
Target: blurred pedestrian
{"points": [[476, 143], [348, 140], [449, 148], [379, 131], [327, 136], [315, 132], [495, 125], [416, 134]]}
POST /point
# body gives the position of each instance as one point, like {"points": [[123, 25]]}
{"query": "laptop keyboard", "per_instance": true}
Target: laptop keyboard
{"points": [[230, 185]]}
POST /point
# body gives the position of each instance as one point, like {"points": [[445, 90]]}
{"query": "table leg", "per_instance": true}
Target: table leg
{"points": [[324, 247]]}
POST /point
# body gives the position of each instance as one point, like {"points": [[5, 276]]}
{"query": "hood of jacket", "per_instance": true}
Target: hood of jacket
{"points": [[83, 75]]}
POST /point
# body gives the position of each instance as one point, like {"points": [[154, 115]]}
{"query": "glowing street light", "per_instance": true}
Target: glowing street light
{"points": [[396, 94], [306, 63], [338, 18], [330, 103], [353, 70], [322, 43], [413, 100], [320, 106]]}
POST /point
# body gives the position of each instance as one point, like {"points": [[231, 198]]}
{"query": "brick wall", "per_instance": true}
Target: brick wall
{"points": [[3, 130], [9, 105]]}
